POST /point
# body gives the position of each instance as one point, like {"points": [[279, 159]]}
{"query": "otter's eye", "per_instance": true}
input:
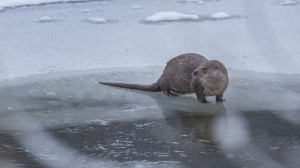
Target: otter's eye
{"points": [[195, 73]]}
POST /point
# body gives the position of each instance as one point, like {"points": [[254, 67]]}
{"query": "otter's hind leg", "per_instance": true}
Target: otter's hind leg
{"points": [[169, 93]]}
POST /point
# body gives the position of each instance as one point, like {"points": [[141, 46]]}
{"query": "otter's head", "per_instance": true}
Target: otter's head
{"points": [[213, 77]]}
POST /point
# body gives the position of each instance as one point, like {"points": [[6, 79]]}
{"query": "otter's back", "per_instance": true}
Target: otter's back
{"points": [[177, 75]]}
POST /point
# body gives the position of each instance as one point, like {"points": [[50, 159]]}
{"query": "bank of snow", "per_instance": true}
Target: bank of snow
{"points": [[46, 19], [96, 20], [137, 7], [220, 15], [170, 16], [193, 1], [288, 3], [16, 3]]}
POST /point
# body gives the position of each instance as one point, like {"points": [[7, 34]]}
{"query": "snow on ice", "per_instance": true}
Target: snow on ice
{"points": [[96, 20], [194, 1], [170, 16], [86, 10], [288, 3], [56, 49], [220, 15], [46, 19], [137, 7]]}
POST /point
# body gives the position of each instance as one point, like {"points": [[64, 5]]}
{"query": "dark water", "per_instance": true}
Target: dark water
{"points": [[181, 141], [74, 122]]}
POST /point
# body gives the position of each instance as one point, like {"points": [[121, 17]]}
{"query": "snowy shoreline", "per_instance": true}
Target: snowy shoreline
{"points": [[18, 3]]}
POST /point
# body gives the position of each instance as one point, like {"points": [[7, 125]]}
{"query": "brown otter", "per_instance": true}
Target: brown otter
{"points": [[188, 73]]}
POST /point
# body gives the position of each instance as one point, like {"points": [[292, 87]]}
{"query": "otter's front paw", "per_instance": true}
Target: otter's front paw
{"points": [[203, 100], [220, 100]]}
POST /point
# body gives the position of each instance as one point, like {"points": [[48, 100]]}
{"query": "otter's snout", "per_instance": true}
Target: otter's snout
{"points": [[201, 71], [195, 73]]}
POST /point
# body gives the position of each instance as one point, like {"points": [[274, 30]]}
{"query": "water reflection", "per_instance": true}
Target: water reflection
{"points": [[185, 106]]}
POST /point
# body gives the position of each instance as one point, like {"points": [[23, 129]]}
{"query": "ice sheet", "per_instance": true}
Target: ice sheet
{"points": [[60, 38], [122, 125]]}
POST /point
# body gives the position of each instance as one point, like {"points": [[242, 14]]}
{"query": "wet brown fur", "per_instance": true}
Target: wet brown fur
{"points": [[188, 73]]}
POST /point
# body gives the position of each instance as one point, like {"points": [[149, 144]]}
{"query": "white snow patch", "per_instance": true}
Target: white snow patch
{"points": [[86, 10], [50, 93], [143, 125], [195, 1], [101, 122], [220, 15], [170, 16], [273, 148], [96, 20], [2, 9], [288, 2], [137, 7], [46, 19]]}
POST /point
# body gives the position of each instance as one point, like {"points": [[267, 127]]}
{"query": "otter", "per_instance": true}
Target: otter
{"points": [[186, 74]]}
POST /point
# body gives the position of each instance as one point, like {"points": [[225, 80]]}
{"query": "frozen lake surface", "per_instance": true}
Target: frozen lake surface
{"points": [[56, 121], [53, 113]]}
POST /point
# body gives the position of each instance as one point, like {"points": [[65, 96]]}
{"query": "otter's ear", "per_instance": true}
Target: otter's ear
{"points": [[195, 73]]}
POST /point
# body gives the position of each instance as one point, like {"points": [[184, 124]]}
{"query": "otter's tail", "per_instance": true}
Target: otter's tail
{"points": [[150, 88]]}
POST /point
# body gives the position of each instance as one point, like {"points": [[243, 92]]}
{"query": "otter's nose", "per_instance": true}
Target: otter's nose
{"points": [[195, 73]]}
